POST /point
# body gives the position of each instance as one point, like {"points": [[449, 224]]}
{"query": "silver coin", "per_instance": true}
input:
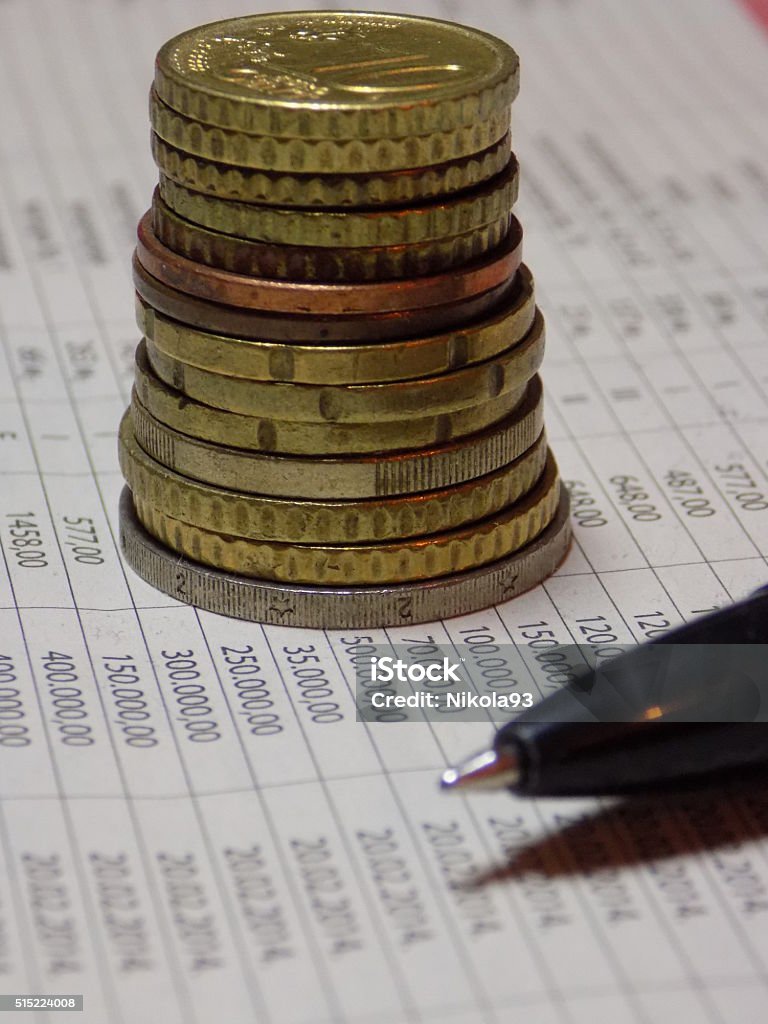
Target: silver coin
{"points": [[348, 607], [350, 476]]}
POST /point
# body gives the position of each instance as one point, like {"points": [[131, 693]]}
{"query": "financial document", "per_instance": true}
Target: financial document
{"points": [[256, 861]]}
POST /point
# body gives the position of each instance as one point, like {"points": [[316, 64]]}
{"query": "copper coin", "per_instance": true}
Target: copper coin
{"points": [[247, 323], [334, 299], [327, 264]]}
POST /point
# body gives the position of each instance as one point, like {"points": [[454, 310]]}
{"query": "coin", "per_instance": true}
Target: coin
{"points": [[395, 561], [267, 434], [337, 299], [319, 330], [386, 225], [351, 476], [413, 185], [349, 364], [328, 156], [336, 403], [337, 74], [348, 607], [327, 522], [358, 403], [324, 264]]}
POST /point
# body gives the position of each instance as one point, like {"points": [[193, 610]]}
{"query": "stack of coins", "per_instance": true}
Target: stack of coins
{"points": [[337, 418]]}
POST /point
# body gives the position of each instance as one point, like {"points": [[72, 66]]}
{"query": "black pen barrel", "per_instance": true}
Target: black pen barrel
{"points": [[603, 757], [692, 702]]}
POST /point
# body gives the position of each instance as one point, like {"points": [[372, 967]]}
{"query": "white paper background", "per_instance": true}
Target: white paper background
{"points": [[317, 875]]}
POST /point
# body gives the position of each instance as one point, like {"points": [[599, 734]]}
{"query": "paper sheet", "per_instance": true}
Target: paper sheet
{"points": [[315, 874]]}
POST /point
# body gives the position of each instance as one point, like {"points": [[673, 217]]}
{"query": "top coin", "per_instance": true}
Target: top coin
{"points": [[336, 75]]}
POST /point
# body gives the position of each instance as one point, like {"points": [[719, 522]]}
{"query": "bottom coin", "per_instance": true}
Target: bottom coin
{"points": [[342, 607]]}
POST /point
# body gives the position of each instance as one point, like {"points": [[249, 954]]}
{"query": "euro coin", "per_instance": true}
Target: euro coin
{"points": [[358, 403], [387, 225], [270, 434], [396, 561], [248, 185], [290, 604], [321, 263], [466, 282], [366, 475], [379, 362], [261, 517], [307, 329], [327, 156], [337, 75]]}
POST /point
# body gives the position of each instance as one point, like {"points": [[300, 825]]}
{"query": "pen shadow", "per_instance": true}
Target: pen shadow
{"points": [[644, 829]]}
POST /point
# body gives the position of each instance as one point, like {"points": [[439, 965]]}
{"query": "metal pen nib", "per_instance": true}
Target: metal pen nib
{"points": [[493, 769]]}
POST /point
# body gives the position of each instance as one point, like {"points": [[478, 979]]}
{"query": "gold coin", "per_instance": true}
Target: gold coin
{"points": [[289, 604], [260, 517], [348, 476], [358, 403], [287, 225], [411, 186], [323, 156], [321, 263], [265, 434], [344, 364], [399, 561], [336, 74]]}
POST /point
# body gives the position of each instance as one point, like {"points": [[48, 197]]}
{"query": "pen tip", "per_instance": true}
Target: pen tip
{"points": [[492, 769]]}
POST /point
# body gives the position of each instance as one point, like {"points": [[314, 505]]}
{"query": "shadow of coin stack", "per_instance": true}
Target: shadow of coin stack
{"points": [[337, 418]]}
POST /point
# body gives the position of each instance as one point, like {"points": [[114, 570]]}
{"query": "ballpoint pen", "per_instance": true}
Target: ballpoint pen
{"points": [[692, 702]]}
